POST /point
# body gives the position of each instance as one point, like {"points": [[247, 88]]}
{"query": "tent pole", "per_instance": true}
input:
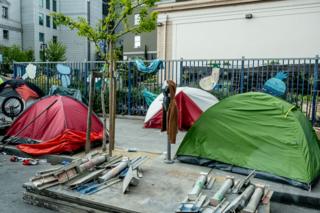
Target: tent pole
{"points": [[34, 119]]}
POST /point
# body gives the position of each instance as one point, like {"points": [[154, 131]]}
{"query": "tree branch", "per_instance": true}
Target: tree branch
{"points": [[124, 16]]}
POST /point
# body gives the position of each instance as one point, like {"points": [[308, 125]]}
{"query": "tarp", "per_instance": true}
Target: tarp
{"points": [[68, 141], [20, 88], [256, 131], [149, 97], [58, 90], [154, 66], [191, 103]]}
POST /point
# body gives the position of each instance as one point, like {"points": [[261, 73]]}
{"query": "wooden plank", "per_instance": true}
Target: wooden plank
{"points": [[55, 204], [77, 200], [85, 178]]}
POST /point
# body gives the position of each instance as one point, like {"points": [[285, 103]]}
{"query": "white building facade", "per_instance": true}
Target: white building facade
{"points": [[206, 29], [37, 24], [77, 47], [10, 23], [30, 25]]}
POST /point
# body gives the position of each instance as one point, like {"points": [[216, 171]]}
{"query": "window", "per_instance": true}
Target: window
{"points": [[105, 7], [41, 37], [5, 34], [54, 5], [41, 3], [5, 12], [54, 25], [137, 41], [48, 21], [48, 4], [54, 39], [41, 19], [136, 19]]}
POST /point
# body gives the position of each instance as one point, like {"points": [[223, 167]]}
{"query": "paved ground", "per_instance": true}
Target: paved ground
{"points": [[12, 176], [129, 134], [132, 134]]}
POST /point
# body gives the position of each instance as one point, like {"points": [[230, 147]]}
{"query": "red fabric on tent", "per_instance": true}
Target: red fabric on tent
{"points": [[66, 113], [188, 111], [26, 93], [156, 120], [68, 141]]}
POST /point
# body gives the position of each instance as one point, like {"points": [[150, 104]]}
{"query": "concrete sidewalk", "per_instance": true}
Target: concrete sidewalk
{"points": [[130, 133]]}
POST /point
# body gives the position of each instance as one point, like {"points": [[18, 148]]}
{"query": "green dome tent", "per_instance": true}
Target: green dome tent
{"points": [[256, 131]]}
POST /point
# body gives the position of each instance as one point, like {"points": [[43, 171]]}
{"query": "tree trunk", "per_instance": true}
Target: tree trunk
{"points": [[111, 100], [88, 132], [114, 98], [103, 106]]}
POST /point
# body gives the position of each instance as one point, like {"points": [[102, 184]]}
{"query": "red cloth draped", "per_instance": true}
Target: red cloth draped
{"points": [[68, 141]]}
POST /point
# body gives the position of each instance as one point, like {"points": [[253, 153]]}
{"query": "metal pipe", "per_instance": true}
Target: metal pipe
{"points": [[254, 200], [246, 194], [240, 201], [115, 171], [92, 163], [198, 187], [219, 195]]}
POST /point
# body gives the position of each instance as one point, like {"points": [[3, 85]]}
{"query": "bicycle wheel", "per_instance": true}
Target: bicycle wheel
{"points": [[12, 106]]}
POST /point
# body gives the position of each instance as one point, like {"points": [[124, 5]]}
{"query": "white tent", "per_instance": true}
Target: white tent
{"points": [[191, 103]]}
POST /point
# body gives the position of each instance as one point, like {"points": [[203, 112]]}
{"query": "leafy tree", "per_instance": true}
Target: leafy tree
{"points": [[110, 29], [56, 51], [14, 53]]}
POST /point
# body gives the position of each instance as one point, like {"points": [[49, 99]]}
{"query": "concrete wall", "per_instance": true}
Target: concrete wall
{"points": [[288, 28], [28, 20], [77, 48], [31, 28], [148, 41], [13, 23]]}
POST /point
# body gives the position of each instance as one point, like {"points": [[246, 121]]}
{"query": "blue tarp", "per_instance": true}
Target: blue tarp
{"points": [[148, 96], [154, 66]]}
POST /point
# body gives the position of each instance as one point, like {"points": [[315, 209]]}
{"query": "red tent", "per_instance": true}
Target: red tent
{"points": [[191, 102], [52, 117]]}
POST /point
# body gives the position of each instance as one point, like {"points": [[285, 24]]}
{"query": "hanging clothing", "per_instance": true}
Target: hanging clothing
{"points": [[172, 114]]}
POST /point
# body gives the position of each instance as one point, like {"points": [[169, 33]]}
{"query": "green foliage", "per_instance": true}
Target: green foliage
{"points": [[56, 51], [115, 24], [14, 53]]}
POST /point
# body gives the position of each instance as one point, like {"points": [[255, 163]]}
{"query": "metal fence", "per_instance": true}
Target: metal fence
{"points": [[236, 76]]}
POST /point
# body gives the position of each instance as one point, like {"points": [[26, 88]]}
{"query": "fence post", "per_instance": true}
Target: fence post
{"points": [[181, 72], [47, 73], [129, 88], [242, 74], [14, 70], [315, 89]]}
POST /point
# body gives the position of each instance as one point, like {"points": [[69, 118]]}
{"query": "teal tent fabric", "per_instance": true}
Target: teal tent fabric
{"points": [[58, 90], [149, 96], [153, 67], [256, 131]]}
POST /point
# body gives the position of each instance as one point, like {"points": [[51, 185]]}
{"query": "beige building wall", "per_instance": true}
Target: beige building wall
{"points": [[206, 29]]}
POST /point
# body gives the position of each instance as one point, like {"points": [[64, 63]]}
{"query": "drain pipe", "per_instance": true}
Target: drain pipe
{"points": [[165, 37]]}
